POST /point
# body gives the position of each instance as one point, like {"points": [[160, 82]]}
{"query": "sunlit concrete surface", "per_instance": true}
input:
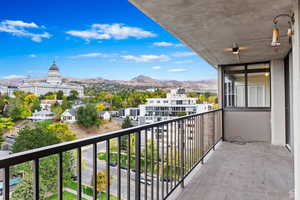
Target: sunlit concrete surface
{"points": [[253, 171]]}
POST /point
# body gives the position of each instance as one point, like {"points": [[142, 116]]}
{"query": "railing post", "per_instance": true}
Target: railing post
{"points": [[138, 165], [202, 138], [6, 183], [214, 129], [182, 152], [36, 183]]}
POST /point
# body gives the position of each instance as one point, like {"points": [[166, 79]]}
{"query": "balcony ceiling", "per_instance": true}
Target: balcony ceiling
{"points": [[209, 26]]}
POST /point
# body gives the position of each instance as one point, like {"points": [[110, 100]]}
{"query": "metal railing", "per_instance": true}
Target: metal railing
{"points": [[164, 154]]}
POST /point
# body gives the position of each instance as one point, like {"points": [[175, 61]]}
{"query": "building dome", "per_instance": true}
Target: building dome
{"points": [[54, 75], [54, 67]]}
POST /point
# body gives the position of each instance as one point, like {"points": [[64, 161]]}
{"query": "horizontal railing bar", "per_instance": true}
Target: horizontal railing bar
{"points": [[30, 155]]}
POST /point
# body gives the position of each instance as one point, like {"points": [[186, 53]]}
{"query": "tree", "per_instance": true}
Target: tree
{"points": [[40, 136], [31, 138], [126, 123], [19, 112], [59, 95], [88, 116], [50, 96], [73, 95], [61, 130], [124, 139], [5, 123], [101, 181], [100, 107]]}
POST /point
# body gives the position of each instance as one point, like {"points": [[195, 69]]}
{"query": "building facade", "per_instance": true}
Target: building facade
{"points": [[53, 83], [174, 105]]}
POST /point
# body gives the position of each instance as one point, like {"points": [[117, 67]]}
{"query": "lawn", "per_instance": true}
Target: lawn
{"points": [[87, 190], [66, 196]]}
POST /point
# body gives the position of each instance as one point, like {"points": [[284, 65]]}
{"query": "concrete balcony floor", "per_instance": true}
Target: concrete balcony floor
{"points": [[254, 171]]}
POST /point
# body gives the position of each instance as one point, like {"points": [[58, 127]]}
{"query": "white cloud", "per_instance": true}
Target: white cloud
{"points": [[166, 44], [111, 31], [177, 70], [21, 29], [156, 67], [14, 76], [184, 54], [183, 61], [147, 58], [91, 55], [32, 55]]}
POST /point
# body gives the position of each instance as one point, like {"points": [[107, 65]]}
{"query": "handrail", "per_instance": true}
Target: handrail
{"points": [[29, 155], [181, 144]]}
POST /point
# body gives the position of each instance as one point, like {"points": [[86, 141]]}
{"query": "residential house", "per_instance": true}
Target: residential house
{"points": [[69, 116]]}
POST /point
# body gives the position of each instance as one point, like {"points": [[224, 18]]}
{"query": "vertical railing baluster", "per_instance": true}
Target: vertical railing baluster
{"points": [[36, 183], [60, 176], [202, 138], [167, 157], [146, 164], [214, 129], [157, 160], [152, 163], [6, 183], [119, 169], [95, 171], [171, 155], [79, 181], [128, 167], [163, 162], [178, 136], [138, 165], [107, 169], [183, 153]]}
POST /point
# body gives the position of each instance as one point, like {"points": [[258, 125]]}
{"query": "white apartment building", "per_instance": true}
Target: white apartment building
{"points": [[174, 105]]}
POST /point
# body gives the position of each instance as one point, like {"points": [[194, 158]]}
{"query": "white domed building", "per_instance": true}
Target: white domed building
{"points": [[53, 83]]}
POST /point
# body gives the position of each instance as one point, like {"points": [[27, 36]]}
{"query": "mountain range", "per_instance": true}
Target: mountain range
{"points": [[139, 81]]}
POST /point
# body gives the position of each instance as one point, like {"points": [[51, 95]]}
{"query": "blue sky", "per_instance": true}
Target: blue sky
{"points": [[92, 38]]}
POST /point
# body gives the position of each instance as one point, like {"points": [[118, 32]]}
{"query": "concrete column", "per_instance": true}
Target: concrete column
{"points": [[278, 103], [220, 87], [296, 96]]}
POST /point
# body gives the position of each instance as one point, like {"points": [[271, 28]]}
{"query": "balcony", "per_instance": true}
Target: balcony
{"points": [[167, 159]]}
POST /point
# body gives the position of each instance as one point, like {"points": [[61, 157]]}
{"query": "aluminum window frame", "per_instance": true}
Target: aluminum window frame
{"points": [[246, 71]]}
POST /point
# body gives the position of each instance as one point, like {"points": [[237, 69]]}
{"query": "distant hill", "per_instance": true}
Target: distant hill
{"points": [[139, 81]]}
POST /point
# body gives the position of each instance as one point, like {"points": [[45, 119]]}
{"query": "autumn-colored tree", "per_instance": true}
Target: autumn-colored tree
{"points": [[5, 123], [100, 107], [102, 181], [62, 131]]}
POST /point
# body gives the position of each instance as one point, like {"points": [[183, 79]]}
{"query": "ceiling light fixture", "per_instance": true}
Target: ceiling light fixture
{"points": [[276, 32]]}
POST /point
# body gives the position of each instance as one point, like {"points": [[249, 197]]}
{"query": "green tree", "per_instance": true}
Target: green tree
{"points": [[73, 95], [19, 112], [124, 139], [31, 138], [88, 116], [59, 95]]}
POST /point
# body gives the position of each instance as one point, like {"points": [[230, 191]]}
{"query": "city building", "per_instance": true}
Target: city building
{"points": [[9, 90], [132, 113], [42, 115], [53, 83], [176, 104]]}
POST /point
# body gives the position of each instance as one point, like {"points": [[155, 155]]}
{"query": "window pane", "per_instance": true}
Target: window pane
{"points": [[239, 67], [259, 89], [234, 90], [259, 66]]}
